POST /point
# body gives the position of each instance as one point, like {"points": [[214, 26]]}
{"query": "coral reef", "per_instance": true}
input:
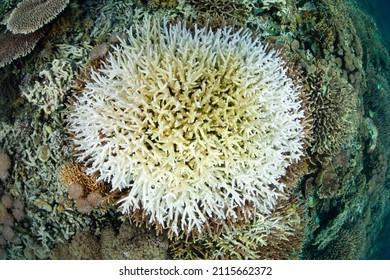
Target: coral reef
{"points": [[330, 204], [7, 5], [334, 104], [11, 213], [191, 140], [26, 24], [130, 243], [268, 4], [112, 17], [327, 181], [228, 9], [50, 215], [49, 90], [277, 236], [372, 132], [161, 3], [48, 85]]}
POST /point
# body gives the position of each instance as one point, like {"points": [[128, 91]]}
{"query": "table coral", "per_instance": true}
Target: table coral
{"points": [[31, 15]]}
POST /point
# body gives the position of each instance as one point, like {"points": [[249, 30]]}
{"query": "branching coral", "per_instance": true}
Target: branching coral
{"points": [[277, 236], [334, 110], [196, 124], [268, 4], [49, 92], [228, 9], [51, 80]]}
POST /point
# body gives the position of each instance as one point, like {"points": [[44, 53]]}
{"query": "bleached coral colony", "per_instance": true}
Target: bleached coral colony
{"points": [[195, 123]]}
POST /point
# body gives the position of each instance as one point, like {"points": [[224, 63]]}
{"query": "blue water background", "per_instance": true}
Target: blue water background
{"points": [[380, 10]]}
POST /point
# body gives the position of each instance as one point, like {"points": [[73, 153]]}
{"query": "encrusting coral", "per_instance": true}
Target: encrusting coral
{"points": [[196, 124]]}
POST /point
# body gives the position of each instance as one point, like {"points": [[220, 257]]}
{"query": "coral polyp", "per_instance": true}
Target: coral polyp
{"points": [[194, 123]]}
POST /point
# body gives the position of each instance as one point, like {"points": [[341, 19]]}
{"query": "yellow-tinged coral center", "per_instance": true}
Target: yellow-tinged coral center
{"points": [[195, 123]]}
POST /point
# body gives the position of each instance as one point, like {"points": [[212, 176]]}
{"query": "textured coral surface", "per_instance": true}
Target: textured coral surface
{"points": [[193, 128], [196, 123]]}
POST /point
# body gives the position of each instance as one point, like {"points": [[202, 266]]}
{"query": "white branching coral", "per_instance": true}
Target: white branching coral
{"points": [[195, 123], [268, 4], [49, 94]]}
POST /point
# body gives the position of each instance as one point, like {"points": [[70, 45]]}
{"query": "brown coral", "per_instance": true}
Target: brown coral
{"points": [[351, 244], [5, 163], [334, 110], [327, 182], [278, 236], [13, 46], [74, 173], [83, 246], [31, 15], [129, 242], [228, 9]]}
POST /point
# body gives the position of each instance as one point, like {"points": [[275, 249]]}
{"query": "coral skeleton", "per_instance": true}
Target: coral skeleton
{"points": [[196, 124]]}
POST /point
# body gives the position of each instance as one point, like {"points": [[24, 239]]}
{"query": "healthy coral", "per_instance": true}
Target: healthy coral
{"points": [[197, 124], [228, 9], [13, 46], [27, 24], [86, 192], [277, 236], [31, 15], [334, 110], [127, 242]]}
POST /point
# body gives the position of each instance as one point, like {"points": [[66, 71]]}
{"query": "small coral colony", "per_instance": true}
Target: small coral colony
{"points": [[183, 129]]}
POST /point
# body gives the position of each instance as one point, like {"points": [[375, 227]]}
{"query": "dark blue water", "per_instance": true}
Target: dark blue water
{"points": [[380, 9], [384, 241]]}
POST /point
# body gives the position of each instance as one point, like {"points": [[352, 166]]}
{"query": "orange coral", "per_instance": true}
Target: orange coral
{"points": [[84, 189]]}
